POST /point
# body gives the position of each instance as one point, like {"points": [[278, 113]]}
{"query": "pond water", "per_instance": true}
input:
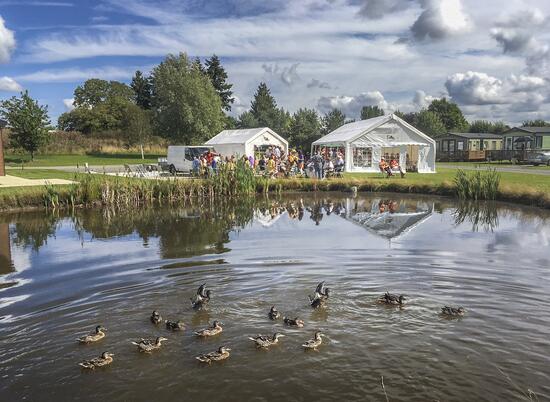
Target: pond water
{"points": [[62, 274]]}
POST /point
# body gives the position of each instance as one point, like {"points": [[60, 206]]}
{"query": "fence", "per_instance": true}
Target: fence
{"points": [[484, 156]]}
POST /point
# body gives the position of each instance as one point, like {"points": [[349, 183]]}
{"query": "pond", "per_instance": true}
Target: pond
{"points": [[63, 273]]}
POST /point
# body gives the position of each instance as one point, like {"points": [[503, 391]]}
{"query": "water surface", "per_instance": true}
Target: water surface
{"points": [[63, 273]]}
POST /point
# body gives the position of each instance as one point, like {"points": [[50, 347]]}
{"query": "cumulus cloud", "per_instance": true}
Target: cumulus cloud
{"points": [[8, 84], [81, 74], [440, 19], [315, 83], [288, 75], [69, 104], [421, 100], [7, 42], [521, 93], [516, 34], [352, 105]]}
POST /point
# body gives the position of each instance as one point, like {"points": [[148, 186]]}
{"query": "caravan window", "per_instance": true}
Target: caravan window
{"points": [[362, 157]]}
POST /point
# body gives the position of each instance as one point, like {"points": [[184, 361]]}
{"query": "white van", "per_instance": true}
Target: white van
{"points": [[180, 158]]}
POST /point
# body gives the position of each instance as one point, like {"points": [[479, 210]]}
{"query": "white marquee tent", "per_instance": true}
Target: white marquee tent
{"points": [[245, 142], [365, 142]]}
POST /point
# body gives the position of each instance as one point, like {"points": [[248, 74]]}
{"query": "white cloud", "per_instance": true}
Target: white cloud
{"points": [[8, 84], [376, 9], [69, 104], [516, 33], [352, 105], [440, 19], [7, 42], [421, 100], [514, 94], [79, 74], [288, 75], [315, 83]]}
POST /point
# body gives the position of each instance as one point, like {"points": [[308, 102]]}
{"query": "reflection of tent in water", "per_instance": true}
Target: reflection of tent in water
{"points": [[391, 225], [266, 218]]}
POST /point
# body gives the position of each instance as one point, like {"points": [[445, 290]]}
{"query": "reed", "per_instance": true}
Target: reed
{"points": [[478, 185]]}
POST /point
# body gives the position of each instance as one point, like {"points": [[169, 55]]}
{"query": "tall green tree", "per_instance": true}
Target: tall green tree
{"points": [[187, 107], [450, 115], [535, 123], [218, 76], [28, 121], [368, 112], [332, 120], [247, 120], [429, 123], [304, 128], [95, 91], [265, 112], [143, 90], [486, 126], [136, 124]]}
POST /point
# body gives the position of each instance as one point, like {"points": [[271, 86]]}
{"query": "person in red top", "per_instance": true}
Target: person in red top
{"points": [[384, 167], [394, 165]]}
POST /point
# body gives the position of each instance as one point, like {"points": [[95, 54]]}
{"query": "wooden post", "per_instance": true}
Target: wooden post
{"points": [[2, 168], [5, 251]]}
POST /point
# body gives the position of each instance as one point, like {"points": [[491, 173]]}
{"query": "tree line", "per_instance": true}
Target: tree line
{"points": [[187, 102]]}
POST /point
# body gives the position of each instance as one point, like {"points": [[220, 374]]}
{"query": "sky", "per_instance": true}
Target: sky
{"points": [[492, 57]]}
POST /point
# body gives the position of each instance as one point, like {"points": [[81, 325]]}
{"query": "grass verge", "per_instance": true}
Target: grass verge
{"points": [[73, 160]]}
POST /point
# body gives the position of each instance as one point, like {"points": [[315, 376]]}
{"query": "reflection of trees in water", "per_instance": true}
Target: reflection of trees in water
{"points": [[481, 214], [31, 231]]}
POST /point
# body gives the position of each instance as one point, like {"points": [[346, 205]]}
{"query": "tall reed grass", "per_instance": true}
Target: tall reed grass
{"points": [[478, 185]]}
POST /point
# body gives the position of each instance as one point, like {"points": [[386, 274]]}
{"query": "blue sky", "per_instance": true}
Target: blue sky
{"points": [[491, 57]]}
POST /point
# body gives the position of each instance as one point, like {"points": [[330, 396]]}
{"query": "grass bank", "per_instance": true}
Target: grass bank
{"points": [[520, 188], [16, 160]]}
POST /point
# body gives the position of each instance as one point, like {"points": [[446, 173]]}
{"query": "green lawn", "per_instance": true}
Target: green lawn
{"points": [[41, 174], [73, 160], [512, 181], [490, 164]]}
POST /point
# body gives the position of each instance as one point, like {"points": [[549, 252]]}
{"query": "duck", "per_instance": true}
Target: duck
{"points": [[265, 341], [149, 345], [175, 325], [389, 298], [321, 296], [105, 359], [293, 322], [274, 313], [215, 329], [453, 311], [95, 336], [315, 342], [221, 354], [202, 297], [156, 318]]}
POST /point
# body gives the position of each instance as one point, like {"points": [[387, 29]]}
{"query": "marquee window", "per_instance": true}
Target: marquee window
{"points": [[362, 157]]}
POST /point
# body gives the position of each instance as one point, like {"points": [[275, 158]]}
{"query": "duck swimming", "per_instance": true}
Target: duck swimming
{"points": [[221, 354], [215, 329], [274, 313], [149, 345], [95, 336], [105, 359], [175, 325], [263, 341], [389, 298], [321, 296], [156, 318], [296, 322], [453, 311], [202, 297], [315, 342]]}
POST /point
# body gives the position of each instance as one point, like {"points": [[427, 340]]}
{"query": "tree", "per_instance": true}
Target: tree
{"points": [[304, 128], [136, 123], [429, 123], [486, 126], [450, 115], [368, 112], [96, 91], [247, 120], [332, 120], [28, 121], [218, 76], [535, 123], [408, 117], [186, 106], [143, 90], [265, 112]]}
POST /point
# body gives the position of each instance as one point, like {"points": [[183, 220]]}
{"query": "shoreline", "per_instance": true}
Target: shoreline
{"points": [[103, 190]]}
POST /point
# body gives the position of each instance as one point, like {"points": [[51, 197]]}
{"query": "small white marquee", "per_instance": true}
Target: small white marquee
{"points": [[246, 141]]}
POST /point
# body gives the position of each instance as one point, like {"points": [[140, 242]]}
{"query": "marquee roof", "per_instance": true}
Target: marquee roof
{"points": [[241, 136]]}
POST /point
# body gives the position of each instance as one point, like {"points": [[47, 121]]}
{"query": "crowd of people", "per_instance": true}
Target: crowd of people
{"points": [[274, 162]]}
